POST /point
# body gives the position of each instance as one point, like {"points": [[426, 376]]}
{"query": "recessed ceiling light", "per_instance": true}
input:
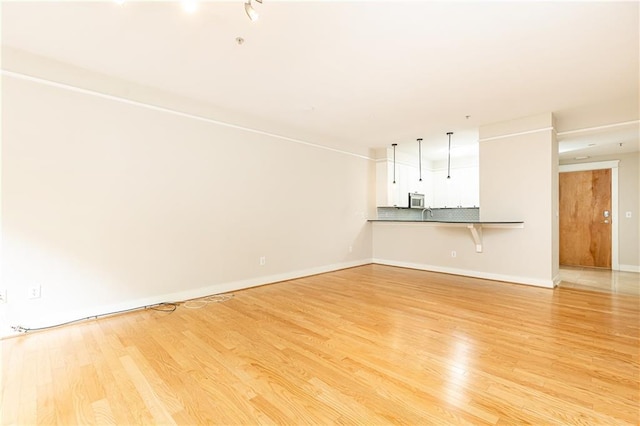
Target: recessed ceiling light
{"points": [[189, 6]]}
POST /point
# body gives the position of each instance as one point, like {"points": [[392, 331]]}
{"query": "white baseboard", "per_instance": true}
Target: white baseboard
{"points": [[468, 273], [629, 268], [6, 331], [97, 311]]}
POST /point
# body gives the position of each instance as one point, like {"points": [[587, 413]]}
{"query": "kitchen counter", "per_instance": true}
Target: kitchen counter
{"points": [[434, 208], [446, 214], [476, 227], [485, 222]]}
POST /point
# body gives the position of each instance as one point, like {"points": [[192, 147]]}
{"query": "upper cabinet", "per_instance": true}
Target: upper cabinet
{"points": [[462, 189]]}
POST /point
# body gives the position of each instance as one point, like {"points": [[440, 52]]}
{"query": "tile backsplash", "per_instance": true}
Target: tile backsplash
{"points": [[462, 214]]}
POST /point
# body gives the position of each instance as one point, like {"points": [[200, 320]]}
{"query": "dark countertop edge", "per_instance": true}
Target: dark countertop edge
{"points": [[427, 208], [470, 222]]}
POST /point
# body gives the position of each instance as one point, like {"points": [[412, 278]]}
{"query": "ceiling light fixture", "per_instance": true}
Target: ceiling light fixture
{"points": [[394, 161], [251, 12], [449, 161], [189, 6], [420, 158]]}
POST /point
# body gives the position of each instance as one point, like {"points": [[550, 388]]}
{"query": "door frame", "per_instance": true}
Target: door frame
{"points": [[599, 165]]}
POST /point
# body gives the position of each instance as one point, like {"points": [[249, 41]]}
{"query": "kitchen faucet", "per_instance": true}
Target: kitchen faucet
{"points": [[430, 212]]}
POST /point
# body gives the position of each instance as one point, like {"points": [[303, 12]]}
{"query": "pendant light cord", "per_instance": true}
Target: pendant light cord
{"points": [[449, 160], [420, 158], [394, 161]]}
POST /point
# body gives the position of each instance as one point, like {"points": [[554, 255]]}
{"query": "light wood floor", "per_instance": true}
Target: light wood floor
{"points": [[368, 345]]}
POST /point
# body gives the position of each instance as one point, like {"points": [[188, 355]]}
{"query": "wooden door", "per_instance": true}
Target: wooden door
{"points": [[585, 218]]}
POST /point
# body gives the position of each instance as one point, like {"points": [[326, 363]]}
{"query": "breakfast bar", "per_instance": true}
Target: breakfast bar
{"points": [[476, 227], [460, 217]]}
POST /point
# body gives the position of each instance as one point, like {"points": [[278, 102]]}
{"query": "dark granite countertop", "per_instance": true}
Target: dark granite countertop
{"points": [[428, 208], [470, 222]]}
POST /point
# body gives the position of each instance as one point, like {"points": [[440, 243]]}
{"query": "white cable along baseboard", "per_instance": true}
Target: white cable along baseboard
{"points": [[97, 311]]}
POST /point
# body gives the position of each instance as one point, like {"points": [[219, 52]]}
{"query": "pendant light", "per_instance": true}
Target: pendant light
{"points": [[394, 161], [449, 161], [420, 158]]}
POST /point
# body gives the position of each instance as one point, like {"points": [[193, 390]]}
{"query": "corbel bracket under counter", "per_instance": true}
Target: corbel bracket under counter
{"points": [[476, 230]]}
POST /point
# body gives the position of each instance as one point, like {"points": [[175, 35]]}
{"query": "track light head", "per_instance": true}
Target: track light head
{"points": [[251, 12]]}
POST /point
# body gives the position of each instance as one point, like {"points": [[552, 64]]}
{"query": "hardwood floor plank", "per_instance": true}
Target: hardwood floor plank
{"points": [[126, 403], [273, 413], [214, 383], [46, 404], [154, 405], [28, 394], [102, 412], [367, 345], [154, 379]]}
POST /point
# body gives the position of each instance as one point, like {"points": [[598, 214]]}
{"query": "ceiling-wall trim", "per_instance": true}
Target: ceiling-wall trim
{"points": [[544, 129], [172, 111], [591, 129], [594, 165]]}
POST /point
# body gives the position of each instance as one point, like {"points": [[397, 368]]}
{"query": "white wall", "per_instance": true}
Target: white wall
{"points": [[518, 182], [108, 205], [519, 179]]}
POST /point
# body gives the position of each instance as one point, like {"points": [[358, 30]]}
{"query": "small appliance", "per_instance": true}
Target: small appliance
{"points": [[416, 201]]}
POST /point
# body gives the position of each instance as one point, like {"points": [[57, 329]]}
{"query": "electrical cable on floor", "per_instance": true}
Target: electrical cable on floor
{"points": [[157, 307], [171, 307], [167, 307], [204, 301]]}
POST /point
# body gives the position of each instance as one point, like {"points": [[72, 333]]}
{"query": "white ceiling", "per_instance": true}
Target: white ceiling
{"points": [[357, 75]]}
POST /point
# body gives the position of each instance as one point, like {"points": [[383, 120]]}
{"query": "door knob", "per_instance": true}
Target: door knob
{"points": [[606, 213]]}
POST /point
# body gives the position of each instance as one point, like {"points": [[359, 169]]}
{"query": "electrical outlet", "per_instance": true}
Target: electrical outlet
{"points": [[3, 295], [34, 292], [627, 215], [453, 254], [263, 260]]}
